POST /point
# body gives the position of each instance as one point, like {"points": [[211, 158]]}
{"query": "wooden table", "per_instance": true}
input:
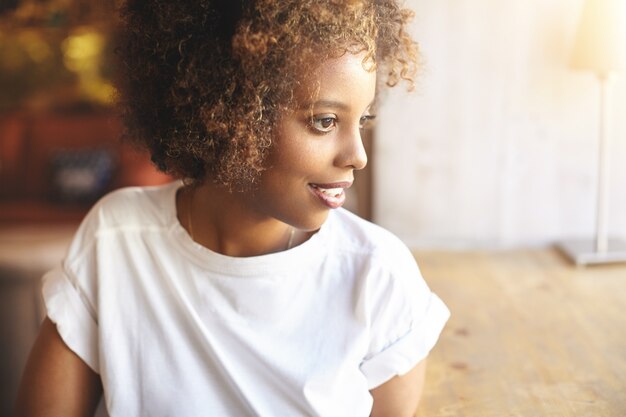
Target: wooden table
{"points": [[530, 335]]}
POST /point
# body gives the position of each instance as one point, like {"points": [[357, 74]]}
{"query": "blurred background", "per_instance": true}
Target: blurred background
{"points": [[60, 150], [60, 147], [496, 148]]}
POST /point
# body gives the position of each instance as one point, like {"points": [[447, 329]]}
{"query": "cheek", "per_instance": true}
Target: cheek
{"points": [[298, 151], [291, 152], [302, 160]]}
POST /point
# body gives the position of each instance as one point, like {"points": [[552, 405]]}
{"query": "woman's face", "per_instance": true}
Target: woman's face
{"points": [[318, 146]]}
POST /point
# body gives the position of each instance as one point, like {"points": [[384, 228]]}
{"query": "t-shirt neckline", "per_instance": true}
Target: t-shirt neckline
{"points": [[310, 251]]}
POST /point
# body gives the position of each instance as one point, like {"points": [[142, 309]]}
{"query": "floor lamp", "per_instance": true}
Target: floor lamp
{"points": [[601, 48]]}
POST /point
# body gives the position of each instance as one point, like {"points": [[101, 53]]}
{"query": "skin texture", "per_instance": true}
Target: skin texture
{"points": [[56, 382], [317, 143]]}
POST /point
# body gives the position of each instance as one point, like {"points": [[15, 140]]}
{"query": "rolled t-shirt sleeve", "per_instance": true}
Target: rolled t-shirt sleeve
{"points": [[406, 319], [70, 295], [68, 307]]}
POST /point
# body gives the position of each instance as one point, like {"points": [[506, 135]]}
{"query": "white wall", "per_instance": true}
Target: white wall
{"points": [[498, 145]]}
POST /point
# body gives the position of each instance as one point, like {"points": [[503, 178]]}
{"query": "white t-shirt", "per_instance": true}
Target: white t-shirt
{"points": [[175, 329]]}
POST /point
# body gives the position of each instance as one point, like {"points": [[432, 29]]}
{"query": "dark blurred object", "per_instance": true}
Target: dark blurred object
{"points": [[44, 155], [8, 5], [81, 176]]}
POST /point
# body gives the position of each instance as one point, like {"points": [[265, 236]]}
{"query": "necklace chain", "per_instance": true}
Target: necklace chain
{"points": [[292, 232], [192, 193]]}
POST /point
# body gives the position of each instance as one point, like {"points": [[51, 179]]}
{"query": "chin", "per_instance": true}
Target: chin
{"points": [[312, 223]]}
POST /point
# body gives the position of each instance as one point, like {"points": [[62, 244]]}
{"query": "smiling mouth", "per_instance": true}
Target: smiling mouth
{"points": [[331, 195], [332, 192]]}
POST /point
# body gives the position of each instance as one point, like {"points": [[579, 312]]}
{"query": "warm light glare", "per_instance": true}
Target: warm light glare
{"points": [[82, 51], [601, 40], [82, 54]]}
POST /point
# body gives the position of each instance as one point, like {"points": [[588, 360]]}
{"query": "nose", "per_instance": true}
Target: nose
{"points": [[352, 151]]}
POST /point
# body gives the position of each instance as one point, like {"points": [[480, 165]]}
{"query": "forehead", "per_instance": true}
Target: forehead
{"points": [[340, 79]]}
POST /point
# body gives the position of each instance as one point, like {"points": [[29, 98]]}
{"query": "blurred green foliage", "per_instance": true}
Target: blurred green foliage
{"points": [[39, 63], [31, 62]]}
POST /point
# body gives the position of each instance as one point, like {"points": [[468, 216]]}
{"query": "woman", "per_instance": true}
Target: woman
{"points": [[244, 289]]}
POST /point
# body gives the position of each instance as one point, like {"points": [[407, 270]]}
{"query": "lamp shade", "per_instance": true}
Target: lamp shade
{"points": [[601, 40]]}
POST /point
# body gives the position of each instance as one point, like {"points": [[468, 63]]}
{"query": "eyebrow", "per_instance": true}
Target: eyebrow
{"points": [[331, 104], [326, 103]]}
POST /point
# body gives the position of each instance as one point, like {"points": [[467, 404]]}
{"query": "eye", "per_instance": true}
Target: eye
{"points": [[323, 123], [366, 120]]}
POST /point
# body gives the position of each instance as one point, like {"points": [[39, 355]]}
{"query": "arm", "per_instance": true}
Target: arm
{"points": [[399, 396], [56, 382]]}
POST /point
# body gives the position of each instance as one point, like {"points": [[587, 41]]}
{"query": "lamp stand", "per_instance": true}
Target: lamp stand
{"points": [[602, 250]]}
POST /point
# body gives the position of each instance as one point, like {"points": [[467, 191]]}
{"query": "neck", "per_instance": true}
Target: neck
{"points": [[221, 221]]}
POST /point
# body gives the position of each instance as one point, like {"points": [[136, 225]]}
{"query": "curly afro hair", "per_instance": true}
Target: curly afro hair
{"points": [[202, 83]]}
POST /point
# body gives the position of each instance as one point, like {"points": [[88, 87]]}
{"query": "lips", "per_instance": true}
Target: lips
{"points": [[331, 195]]}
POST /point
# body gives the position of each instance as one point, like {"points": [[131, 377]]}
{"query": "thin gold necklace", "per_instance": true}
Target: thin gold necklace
{"points": [[190, 202], [192, 193], [292, 232]]}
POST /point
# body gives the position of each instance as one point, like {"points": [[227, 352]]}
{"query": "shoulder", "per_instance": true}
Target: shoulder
{"points": [[121, 214], [365, 240], [129, 207], [126, 210]]}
